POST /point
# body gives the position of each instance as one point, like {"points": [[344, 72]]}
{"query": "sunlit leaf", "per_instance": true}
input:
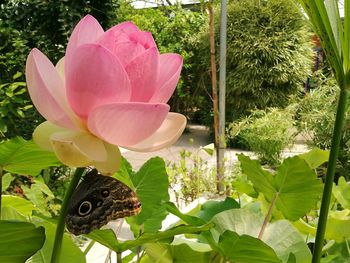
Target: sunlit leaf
{"points": [[295, 187], [179, 251], [338, 226], [151, 185], [22, 205], [19, 241], [342, 192], [211, 208], [107, 237], [315, 157], [246, 249], [279, 235], [71, 253], [24, 157], [6, 181]]}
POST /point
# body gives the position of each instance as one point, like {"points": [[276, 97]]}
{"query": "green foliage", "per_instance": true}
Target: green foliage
{"points": [[153, 210], [17, 114], [191, 177], [316, 117], [268, 55], [287, 189], [24, 157], [267, 133], [246, 249], [342, 193], [173, 29], [279, 235], [19, 241]]}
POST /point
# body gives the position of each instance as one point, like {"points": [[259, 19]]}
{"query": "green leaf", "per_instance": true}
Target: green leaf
{"points": [[298, 187], [19, 241], [124, 173], [107, 237], [24, 157], [151, 185], [211, 208], [338, 226], [179, 251], [246, 249], [71, 253], [22, 205], [191, 220], [342, 192], [6, 181], [295, 186], [315, 157], [279, 235], [318, 16], [261, 179]]}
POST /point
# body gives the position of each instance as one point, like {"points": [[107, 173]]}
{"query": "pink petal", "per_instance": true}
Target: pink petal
{"points": [[169, 73], [126, 124], [127, 27], [143, 74], [47, 91], [144, 38], [96, 77], [88, 30], [120, 45], [166, 135]]}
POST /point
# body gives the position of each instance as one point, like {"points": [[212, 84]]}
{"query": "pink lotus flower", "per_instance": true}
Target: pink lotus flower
{"points": [[109, 90]]}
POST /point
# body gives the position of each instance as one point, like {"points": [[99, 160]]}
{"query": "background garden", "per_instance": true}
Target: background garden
{"points": [[279, 86]]}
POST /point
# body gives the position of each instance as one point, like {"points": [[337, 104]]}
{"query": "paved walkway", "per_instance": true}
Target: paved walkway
{"points": [[194, 138]]}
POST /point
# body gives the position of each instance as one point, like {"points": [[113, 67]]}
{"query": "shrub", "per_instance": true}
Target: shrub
{"points": [[267, 133], [268, 55], [316, 114]]}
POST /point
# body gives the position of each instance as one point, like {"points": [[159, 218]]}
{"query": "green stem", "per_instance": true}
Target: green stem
{"points": [[64, 209], [327, 191], [267, 217], [1, 173], [119, 257]]}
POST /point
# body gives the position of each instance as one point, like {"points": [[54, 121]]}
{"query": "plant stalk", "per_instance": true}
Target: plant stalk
{"points": [[267, 217], [56, 251], [1, 173], [119, 257], [332, 161]]}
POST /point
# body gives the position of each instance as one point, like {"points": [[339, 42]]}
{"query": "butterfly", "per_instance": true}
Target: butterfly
{"points": [[97, 200]]}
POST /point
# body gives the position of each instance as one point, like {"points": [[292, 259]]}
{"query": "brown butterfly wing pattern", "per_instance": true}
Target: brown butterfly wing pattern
{"points": [[97, 200]]}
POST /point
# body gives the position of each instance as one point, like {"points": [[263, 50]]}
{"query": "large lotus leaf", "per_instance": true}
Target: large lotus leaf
{"points": [[25, 157], [6, 181], [315, 157], [246, 249], [151, 185], [338, 226], [70, 251], [19, 241], [295, 187], [342, 192], [107, 237], [280, 235], [22, 205], [211, 208], [179, 251]]}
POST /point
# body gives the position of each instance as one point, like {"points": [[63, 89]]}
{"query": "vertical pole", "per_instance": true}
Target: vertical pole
{"points": [[214, 94], [222, 93]]}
